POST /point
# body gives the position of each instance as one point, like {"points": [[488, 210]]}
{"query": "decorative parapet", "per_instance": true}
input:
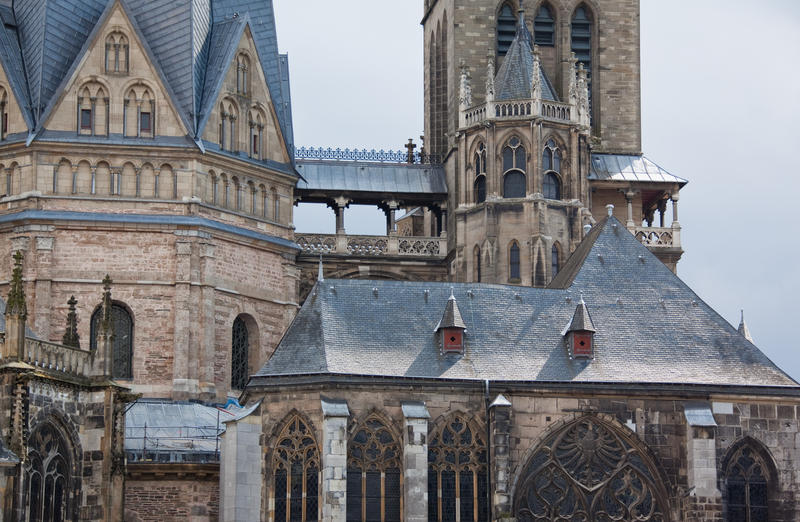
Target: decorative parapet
{"points": [[517, 110], [57, 357], [372, 246], [378, 156], [657, 237]]}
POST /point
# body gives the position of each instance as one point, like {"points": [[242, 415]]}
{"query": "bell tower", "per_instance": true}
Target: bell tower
{"points": [[533, 109]]}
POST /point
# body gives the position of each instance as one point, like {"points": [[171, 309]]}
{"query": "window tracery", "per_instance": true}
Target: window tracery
{"points": [[514, 161], [586, 471], [747, 485], [480, 174], [122, 348], [49, 476], [240, 346], [373, 473], [117, 53], [295, 465], [551, 166], [457, 477]]}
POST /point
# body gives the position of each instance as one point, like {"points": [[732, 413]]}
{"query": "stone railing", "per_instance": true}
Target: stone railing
{"points": [[372, 246], [512, 109], [517, 109], [473, 115], [658, 237], [556, 111], [56, 357]]}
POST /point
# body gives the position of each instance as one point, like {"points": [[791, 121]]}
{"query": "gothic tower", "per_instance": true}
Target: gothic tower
{"points": [[534, 111]]}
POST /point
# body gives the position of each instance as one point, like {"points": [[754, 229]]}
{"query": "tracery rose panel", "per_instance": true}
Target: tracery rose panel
{"points": [[589, 472]]}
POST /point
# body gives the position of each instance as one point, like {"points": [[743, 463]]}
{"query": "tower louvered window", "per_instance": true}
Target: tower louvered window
{"points": [[122, 344], [373, 473], [544, 27], [582, 44], [295, 465], [457, 478], [506, 29], [239, 347]]}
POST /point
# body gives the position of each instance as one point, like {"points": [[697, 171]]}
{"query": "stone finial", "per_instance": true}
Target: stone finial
{"points": [[16, 294], [465, 95], [743, 329], [573, 80], [536, 79], [490, 78], [583, 97], [71, 337], [410, 146], [106, 322]]}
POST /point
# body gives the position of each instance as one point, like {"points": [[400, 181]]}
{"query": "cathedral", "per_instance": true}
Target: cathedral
{"points": [[516, 347]]}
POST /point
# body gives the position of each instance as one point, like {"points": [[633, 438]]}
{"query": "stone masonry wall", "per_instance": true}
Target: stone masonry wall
{"points": [[166, 500]]}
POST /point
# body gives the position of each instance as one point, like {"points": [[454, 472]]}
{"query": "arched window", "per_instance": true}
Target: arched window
{"points": [[295, 469], [513, 262], [276, 202], [240, 346], [551, 186], [514, 161], [480, 174], [457, 478], [582, 43], [3, 113], [477, 264], [50, 488], [589, 471], [747, 483], [555, 257], [122, 348], [506, 28], [93, 107], [544, 27], [439, 91], [373, 473], [551, 164], [228, 135], [237, 192], [117, 53], [256, 125], [139, 112], [242, 74]]}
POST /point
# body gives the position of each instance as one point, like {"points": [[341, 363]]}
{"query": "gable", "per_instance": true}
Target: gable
{"points": [[117, 65], [248, 96], [16, 119]]}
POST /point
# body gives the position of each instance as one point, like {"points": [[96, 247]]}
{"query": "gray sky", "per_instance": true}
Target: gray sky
{"points": [[719, 104]]}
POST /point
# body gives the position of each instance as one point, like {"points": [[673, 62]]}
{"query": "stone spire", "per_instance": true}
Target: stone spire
{"points": [[71, 337], [105, 324], [744, 330], [103, 356], [319, 270], [15, 305]]}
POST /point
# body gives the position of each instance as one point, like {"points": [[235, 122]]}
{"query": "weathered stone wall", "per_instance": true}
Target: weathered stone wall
{"points": [[167, 500]]}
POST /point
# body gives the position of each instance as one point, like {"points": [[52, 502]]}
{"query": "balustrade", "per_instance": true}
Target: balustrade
{"points": [[56, 357], [659, 237], [372, 246], [516, 109], [556, 111]]}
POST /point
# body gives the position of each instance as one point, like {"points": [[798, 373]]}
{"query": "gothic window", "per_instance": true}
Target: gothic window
{"points": [[555, 256], [551, 186], [117, 53], [295, 468], [139, 111], [544, 27], [506, 29], [373, 473], [551, 165], [747, 484], [237, 192], [477, 255], [480, 174], [589, 471], [49, 484], [582, 42], [513, 263], [240, 347], [242, 74], [457, 478], [228, 136], [256, 125], [438, 89], [251, 187], [122, 345], [276, 201], [93, 106], [514, 159], [3, 113]]}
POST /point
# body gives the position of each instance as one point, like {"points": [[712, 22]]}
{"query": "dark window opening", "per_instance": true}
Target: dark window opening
{"points": [[513, 262], [554, 261], [122, 344], [86, 119], [582, 44], [5, 123], [477, 265], [514, 184], [544, 27], [145, 122], [747, 488], [506, 29], [255, 144], [551, 186], [480, 189], [296, 473], [239, 356]]}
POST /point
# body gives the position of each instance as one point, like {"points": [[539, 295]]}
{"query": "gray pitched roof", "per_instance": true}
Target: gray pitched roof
{"points": [[11, 59], [651, 328], [7, 457], [354, 176], [513, 79], [629, 167]]}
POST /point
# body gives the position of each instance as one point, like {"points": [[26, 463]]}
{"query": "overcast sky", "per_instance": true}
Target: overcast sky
{"points": [[720, 90]]}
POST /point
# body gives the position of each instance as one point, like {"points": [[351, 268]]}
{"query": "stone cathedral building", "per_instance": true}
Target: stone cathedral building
{"points": [[517, 346]]}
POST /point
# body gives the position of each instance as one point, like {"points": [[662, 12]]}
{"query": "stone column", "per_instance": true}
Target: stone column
{"points": [[415, 462], [334, 459], [240, 474], [42, 285], [675, 198], [499, 445], [629, 199], [182, 386], [207, 340]]}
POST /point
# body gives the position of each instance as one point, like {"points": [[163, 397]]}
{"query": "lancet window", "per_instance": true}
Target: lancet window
{"points": [[480, 174], [242, 74], [544, 27], [506, 28], [589, 471], [514, 159], [93, 107], [3, 113], [513, 262], [122, 347], [747, 485], [477, 264], [139, 112], [582, 43], [551, 166], [457, 477], [373, 473], [49, 487], [117, 53], [295, 469], [555, 260], [240, 346]]}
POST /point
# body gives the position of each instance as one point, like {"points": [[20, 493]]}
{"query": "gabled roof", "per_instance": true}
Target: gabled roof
{"points": [[451, 318], [581, 320], [357, 176], [513, 79], [11, 58], [651, 328]]}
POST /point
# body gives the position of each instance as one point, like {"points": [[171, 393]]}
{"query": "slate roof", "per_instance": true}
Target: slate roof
{"points": [[7, 457], [513, 79], [629, 167], [41, 42], [353, 177], [651, 328]]}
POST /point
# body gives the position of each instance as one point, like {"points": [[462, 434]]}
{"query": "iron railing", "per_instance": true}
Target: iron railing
{"points": [[379, 156]]}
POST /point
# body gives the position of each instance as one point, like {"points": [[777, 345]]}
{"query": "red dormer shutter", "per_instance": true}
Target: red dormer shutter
{"points": [[452, 340], [582, 344]]}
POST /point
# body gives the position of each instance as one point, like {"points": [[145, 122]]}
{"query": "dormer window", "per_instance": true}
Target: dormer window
{"points": [[579, 334], [451, 328]]}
